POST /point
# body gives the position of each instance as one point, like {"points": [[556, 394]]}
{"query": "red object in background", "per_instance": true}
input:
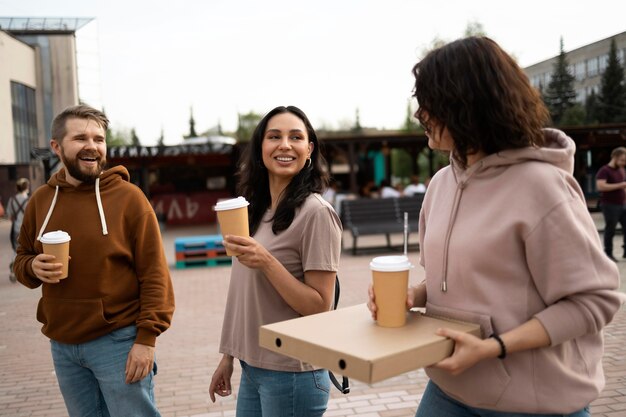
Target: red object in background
{"points": [[187, 208]]}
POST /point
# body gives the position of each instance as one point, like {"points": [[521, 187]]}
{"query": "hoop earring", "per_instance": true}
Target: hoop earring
{"points": [[308, 164]]}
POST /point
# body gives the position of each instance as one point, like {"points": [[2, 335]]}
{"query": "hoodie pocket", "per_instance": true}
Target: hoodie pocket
{"points": [[484, 383], [71, 320]]}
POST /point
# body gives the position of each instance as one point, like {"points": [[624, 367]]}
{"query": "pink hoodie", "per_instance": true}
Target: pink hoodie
{"points": [[508, 239]]}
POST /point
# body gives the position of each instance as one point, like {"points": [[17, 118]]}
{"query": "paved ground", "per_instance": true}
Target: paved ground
{"points": [[187, 353]]}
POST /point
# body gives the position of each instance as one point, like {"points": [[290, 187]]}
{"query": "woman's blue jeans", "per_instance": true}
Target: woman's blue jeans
{"points": [[282, 394], [436, 403], [92, 378]]}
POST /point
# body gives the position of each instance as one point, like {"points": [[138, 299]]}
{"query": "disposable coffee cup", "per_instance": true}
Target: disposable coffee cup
{"points": [[390, 275], [233, 218], [58, 244]]}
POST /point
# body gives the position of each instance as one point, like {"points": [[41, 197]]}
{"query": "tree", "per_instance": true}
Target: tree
{"points": [[192, 126], [246, 125], [357, 128], [410, 123], [474, 28], [612, 99], [574, 116], [161, 141], [591, 108], [560, 94], [117, 137], [134, 140]]}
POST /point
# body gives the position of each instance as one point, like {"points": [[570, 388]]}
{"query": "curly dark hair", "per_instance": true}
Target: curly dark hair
{"points": [[477, 91], [254, 180]]}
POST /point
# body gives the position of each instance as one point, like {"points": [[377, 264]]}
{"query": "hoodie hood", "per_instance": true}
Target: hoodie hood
{"points": [[59, 181], [558, 150]]}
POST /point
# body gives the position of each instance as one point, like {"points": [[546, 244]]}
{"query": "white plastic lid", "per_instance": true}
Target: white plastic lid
{"points": [[55, 237], [390, 263], [233, 203]]}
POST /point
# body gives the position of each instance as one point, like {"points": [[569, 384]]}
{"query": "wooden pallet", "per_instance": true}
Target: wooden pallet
{"points": [[189, 255], [222, 261], [190, 243]]}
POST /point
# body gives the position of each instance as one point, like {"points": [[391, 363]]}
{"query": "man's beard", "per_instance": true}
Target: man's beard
{"points": [[74, 169]]}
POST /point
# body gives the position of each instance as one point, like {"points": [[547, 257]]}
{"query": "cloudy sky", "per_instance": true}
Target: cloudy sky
{"points": [[147, 62]]}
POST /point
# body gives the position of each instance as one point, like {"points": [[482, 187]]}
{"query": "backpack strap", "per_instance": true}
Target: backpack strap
{"points": [[20, 206], [337, 292], [344, 387]]}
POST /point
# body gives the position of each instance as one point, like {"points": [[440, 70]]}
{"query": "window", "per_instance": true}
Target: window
{"points": [[579, 71], [592, 67], [604, 59], [535, 81], [24, 121]]}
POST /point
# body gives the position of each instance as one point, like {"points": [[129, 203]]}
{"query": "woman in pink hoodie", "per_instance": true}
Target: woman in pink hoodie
{"points": [[507, 242]]}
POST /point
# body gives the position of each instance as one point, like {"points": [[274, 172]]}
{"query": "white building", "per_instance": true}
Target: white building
{"points": [[586, 64], [38, 79]]}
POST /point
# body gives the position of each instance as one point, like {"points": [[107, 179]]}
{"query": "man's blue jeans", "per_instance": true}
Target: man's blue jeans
{"points": [[282, 394], [92, 378], [436, 403]]}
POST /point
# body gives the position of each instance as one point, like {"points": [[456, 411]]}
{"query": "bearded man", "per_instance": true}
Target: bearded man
{"points": [[104, 318]]}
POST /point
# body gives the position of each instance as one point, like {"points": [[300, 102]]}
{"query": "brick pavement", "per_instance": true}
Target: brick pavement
{"points": [[187, 353]]}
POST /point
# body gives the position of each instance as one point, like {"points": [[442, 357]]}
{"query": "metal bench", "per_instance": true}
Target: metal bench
{"points": [[375, 216]]}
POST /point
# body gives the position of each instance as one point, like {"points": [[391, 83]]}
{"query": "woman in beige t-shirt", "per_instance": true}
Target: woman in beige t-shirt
{"points": [[286, 269]]}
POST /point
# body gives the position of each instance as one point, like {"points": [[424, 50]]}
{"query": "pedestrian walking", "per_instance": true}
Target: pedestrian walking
{"points": [[611, 182], [15, 211]]}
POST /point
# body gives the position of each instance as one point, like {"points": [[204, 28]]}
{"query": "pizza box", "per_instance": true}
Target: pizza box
{"points": [[348, 342]]}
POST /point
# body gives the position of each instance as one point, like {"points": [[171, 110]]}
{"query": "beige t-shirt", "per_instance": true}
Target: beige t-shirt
{"points": [[311, 242]]}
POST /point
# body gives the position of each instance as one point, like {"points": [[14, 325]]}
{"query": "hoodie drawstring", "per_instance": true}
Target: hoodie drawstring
{"points": [[50, 210], [103, 221], [461, 184], [446, 246]]}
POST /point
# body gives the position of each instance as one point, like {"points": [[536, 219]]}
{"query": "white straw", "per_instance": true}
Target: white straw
{"points": [[406, 231]]}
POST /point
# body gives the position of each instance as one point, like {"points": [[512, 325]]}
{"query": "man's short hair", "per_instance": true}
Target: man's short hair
{"points": [[617, 152], [82, 111]]}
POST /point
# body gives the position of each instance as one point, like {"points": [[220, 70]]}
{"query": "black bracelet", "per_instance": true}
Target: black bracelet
{"points": [[502, 354]]}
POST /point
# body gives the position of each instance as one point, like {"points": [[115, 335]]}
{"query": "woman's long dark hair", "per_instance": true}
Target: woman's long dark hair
{"points": [[476, 90], [254, 180]]}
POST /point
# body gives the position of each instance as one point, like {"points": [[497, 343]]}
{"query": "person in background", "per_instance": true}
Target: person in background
{"points": [[387, 191], [15, 212], [104, 318], [611, 182], [506, 242], [369, 190], [415, 187], [331, 192], [282, 272]]}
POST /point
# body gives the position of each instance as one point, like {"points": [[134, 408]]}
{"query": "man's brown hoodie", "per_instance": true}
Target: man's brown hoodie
{"points": [[118, 273]]}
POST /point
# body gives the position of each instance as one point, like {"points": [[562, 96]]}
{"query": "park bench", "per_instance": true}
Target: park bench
{"points": [[375, 216]]}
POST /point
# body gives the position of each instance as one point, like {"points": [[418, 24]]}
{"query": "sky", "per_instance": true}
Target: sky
{"points": [[148, 62]]}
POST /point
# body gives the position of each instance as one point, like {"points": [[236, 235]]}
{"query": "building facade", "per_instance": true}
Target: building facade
{"points": [[40, 81], [586, 64]]}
